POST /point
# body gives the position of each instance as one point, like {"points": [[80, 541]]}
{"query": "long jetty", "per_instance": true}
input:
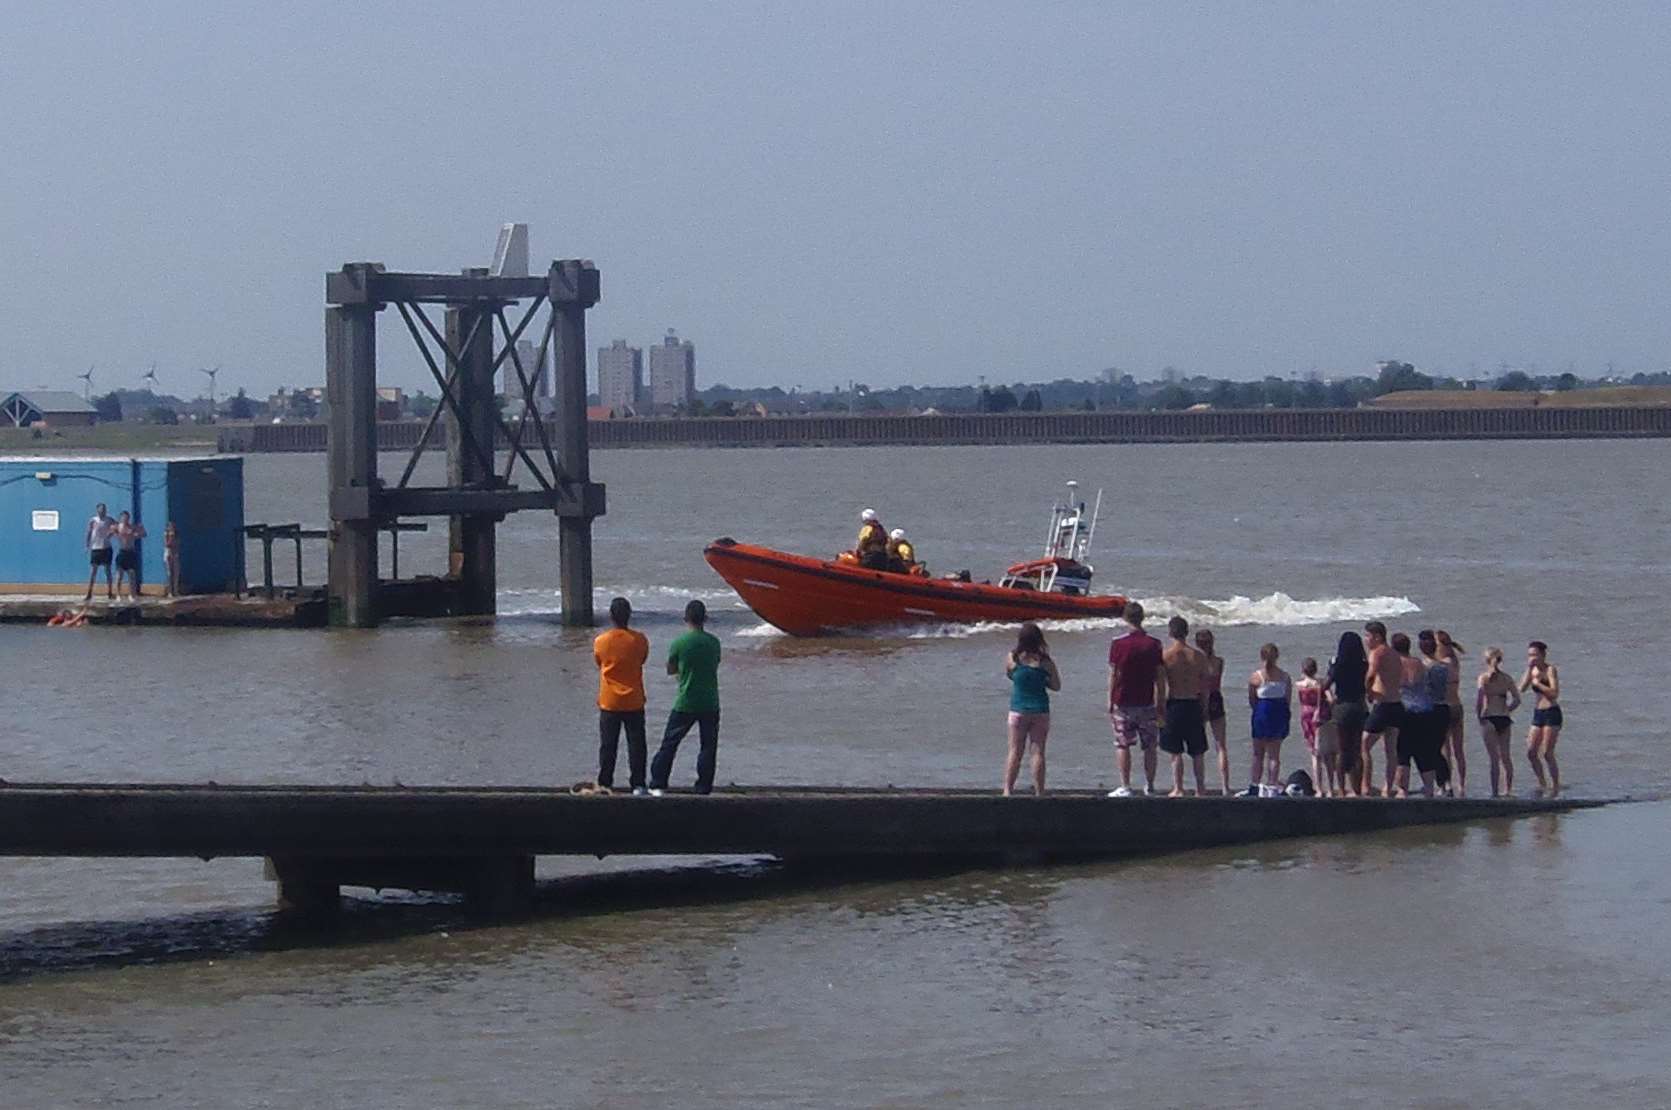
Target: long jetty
{"points": [[482, 841], [1217, 426]]}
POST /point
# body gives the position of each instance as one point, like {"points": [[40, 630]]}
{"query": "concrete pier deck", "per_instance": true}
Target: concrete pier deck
{"points": [[483, 840]]}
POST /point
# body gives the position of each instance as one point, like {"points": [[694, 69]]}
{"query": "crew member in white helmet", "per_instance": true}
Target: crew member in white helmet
{"points": [[872, 548], [902, 557]]}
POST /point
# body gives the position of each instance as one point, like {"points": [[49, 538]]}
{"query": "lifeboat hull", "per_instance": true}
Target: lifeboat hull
{"points": [[805, 596]]}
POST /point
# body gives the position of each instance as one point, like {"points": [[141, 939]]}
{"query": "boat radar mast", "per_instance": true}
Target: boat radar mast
{"points": [[1071, 529]]}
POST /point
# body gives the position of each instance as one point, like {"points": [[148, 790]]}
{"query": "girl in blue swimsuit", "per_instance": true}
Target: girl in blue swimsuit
{"points": [[1270, 695]]}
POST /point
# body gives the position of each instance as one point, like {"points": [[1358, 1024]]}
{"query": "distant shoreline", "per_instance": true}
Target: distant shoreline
{"points": [[1213, 426], [1368, 424]]}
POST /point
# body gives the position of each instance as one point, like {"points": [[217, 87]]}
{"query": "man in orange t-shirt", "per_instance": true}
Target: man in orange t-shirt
{"points": [[620, 654]]}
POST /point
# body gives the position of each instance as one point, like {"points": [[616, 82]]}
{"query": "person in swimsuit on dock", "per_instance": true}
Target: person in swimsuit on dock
{"points": [[1383, 674], [1450, 654], [1545, 682], [1313, 713], [1426, 716], [1032, 674], [1495, 699], [171, 559], [126, 534], [1270, 697], [1213, 682], [1344, 686], [1134, 662], [1183, 691]]}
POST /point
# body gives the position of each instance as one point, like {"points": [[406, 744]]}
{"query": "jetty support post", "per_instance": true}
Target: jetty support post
{"points": [[351, 443], [472, 542], [574, 288], [305, 893]]}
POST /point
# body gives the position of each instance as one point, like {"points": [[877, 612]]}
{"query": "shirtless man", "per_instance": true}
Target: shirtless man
{"points": [[1183, 691], [1382, 677]]}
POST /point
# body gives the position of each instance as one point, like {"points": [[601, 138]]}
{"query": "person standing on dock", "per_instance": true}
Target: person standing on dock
{"points": [[1134, 662], [1213, 681], [99, 528], [1032, 674], [1384, 673], [694, 658], [1345, 687], [126, 534], [620, 654], [1183, 691], [1544, 681]]}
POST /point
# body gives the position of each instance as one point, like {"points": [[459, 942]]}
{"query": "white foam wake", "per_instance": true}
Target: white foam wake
{"points": [[538, 601], [1279, 610], [1276, 610]]}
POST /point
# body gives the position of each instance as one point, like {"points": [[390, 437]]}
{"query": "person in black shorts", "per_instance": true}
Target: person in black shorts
{"points": [[1213, 683], [126, 534], [99, 530], [1183, 672], [1544, 681]]}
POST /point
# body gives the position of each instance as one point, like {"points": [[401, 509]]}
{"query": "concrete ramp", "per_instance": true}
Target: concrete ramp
{"points": [[483, 840]]}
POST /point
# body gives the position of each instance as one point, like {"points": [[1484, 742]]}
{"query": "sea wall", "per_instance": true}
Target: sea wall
{"points": [[1251, 425]]}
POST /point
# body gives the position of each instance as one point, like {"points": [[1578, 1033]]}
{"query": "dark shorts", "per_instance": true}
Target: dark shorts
{"points": [[1421, 739], [1348, 718], [127, 560], [1547, 718], [1385, 715], [1501, 724], [1185, 729], [99, 557], [1215, 705]]}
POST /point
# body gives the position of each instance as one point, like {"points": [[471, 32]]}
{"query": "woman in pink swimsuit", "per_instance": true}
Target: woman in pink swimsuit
{"points": [[1310, 693]]}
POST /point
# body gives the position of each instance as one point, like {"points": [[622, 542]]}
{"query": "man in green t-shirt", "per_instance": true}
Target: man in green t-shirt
{"points": [[694, 658]]}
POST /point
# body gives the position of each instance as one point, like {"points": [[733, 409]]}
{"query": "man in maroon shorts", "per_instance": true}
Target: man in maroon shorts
{"points": [[1134, 662]]}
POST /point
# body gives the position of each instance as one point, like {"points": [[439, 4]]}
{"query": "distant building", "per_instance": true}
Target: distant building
{"points": [[511, 386], [297, 404], [672, 372], [620, 377], [391, 403], [50, 408]]}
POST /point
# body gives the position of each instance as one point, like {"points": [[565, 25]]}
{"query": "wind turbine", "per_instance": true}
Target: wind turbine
{"points": [[150, 377], [87, 385], [211, 375]]}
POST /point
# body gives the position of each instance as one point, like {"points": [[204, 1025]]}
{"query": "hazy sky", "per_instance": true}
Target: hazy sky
{"points": [[893, 192]]}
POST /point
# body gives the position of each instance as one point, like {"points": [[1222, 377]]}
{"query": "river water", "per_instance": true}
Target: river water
{"points": [[1499, 964]]}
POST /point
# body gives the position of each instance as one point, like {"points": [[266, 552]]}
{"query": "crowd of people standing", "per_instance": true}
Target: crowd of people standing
{"points": [[1375, 692]]}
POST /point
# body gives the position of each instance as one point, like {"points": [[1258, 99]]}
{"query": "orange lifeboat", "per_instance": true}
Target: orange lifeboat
{"points": [[807, 596]]}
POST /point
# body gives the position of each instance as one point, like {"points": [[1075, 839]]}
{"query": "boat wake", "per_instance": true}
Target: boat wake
{"points": [[1276, 610], [544, 602]]}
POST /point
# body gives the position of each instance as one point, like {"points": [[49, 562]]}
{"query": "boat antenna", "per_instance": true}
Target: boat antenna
{"points": [[1091, 532]]}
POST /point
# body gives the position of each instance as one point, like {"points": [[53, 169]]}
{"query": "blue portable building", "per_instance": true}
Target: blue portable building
{"points": [[45, 504]]}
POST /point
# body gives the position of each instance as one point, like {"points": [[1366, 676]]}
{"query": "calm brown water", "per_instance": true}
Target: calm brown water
{"points": [[1493, 965]]}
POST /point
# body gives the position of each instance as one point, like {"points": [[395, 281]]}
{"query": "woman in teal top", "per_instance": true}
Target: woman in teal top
{"points": [[1032, 674]]}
